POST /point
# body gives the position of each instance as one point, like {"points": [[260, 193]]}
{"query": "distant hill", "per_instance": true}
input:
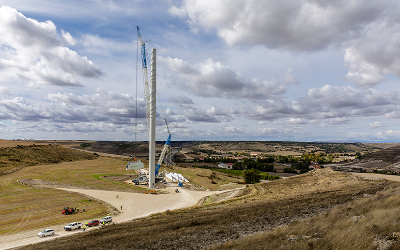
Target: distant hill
{"points": [[15, 158]]}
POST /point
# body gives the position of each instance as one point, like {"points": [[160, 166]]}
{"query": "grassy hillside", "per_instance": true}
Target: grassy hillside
{"points": [[15, 158], [369, 223], [263, 207]]}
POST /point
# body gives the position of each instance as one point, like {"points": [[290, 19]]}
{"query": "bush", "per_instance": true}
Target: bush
{"points": [[266, 176], [252, 176]]}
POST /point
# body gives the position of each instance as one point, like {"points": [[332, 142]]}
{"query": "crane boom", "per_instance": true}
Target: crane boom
{"points": [[145, 78], [163, 152], [165, 119], [148, 107]]}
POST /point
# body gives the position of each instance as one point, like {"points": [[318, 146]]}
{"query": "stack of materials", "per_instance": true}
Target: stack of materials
{"points": [[174, 177]]}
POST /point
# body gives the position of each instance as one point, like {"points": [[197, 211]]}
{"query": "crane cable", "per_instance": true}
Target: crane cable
{"points": [[137, 62]]}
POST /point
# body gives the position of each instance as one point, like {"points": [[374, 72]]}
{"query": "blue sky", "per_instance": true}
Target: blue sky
{"points": [[226, 69]]}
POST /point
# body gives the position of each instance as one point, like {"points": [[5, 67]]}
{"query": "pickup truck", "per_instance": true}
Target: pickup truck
{"points": [[106, 219], [72, 226]]}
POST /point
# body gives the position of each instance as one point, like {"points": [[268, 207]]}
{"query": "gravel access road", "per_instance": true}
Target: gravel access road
{"points": [[134, 205]]}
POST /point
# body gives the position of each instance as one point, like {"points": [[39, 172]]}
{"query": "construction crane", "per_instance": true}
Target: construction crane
{"points": [[165, 149], [145, 77], [150, 101]]}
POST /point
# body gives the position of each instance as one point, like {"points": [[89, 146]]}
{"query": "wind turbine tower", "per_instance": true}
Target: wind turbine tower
{"points": [[153, 111]]}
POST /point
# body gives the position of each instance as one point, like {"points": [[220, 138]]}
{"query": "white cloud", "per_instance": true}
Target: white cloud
{"points": [[232, 130], [391, 132], [267, 130], [290, 25], [377, 124], [4, 90], [296, 121], [181, 100], [375, 54], [68, 38], [70, 108], [393, 115], [361, 72], [329, 102], [212, 115], [368, 31], [289, 78], [340, 120], [213, 79], [33, 52]]}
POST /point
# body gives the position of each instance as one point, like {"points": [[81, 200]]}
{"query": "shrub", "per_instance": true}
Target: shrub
{"points": [[252, 176]]}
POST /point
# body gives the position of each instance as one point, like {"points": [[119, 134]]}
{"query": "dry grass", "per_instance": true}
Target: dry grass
{"points": [[15, 158], [367, 223], [87, 174], [264, 208], [8, 143], [23, 207]]}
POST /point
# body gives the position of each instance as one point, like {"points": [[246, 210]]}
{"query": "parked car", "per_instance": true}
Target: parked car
{"points": [[46, 232], [72, 226], [106, 219], [93, 223]]}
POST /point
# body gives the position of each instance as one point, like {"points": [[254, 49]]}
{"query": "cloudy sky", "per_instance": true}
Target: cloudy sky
{"points": [[298, 70]]}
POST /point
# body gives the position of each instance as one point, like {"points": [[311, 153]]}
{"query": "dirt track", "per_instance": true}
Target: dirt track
{"points": [[134, 205], [380, 176]]}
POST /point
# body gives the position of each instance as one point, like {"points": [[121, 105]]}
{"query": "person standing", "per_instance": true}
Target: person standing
{"points": [[121, 207]]}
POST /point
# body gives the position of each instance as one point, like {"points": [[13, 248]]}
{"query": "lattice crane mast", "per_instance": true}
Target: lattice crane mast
{"points": [[148, 109], [145, 77]]}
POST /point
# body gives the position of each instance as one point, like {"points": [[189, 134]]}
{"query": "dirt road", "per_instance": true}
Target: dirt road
{"points": [[380, 176], [134, 205]]}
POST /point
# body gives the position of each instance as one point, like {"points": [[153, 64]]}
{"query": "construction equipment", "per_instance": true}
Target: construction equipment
{"points": [[140, 180], [135, 164], [165, 149], [68, 210], [150, 100], [145, 77]]}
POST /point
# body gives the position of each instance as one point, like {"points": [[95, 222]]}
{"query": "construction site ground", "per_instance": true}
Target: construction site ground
{"points": [[134, 205], [262, 207], [257, 209], [31, 199]]}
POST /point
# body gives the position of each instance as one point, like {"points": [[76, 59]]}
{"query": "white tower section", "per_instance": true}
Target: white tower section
{"points": [[152, 137]]}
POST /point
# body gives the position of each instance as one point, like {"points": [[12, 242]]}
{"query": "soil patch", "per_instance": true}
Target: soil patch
{"points": [[119, 178], [40, 183]]}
